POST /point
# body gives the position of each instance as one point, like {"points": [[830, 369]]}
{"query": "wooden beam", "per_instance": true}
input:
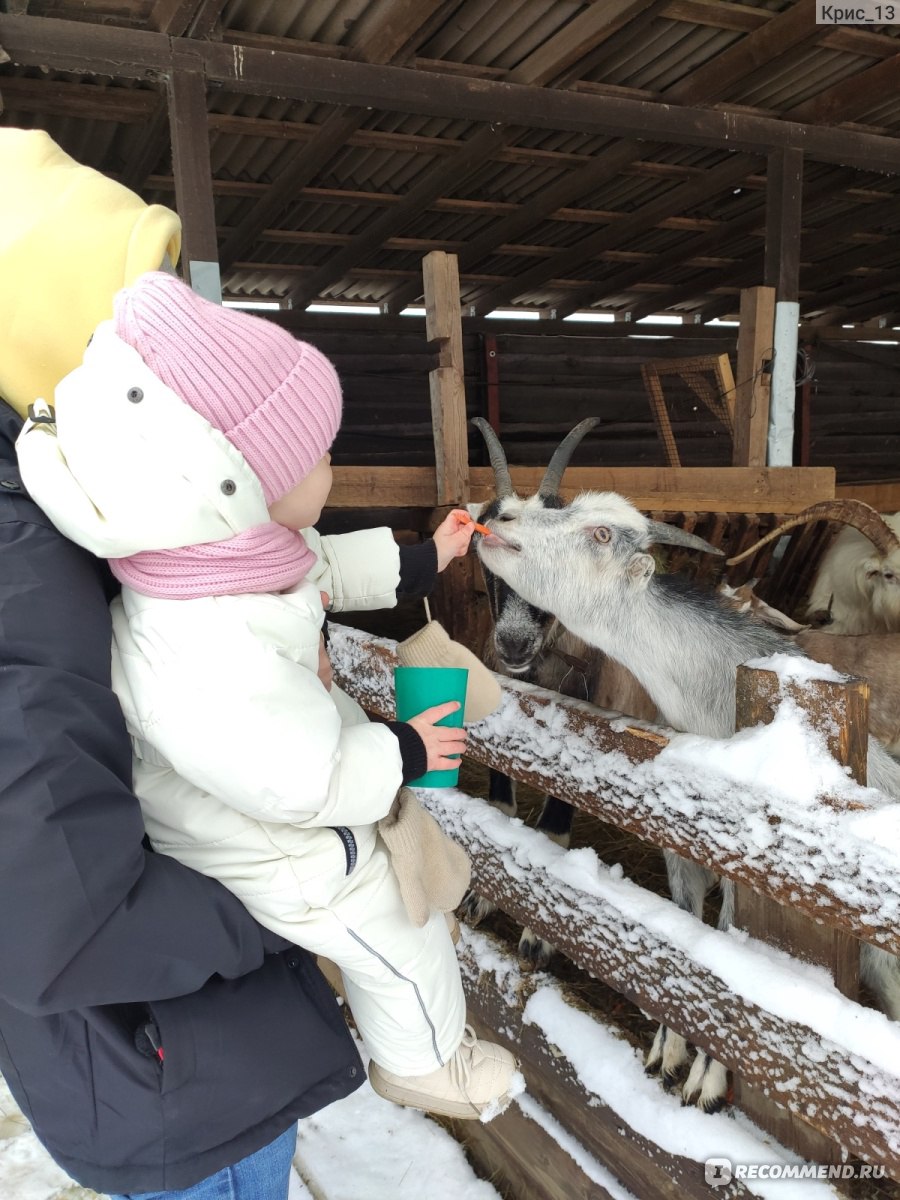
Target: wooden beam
{"points": [[755, 350], [735, 168], [851, 97], [776, 36], [684, 489], [781, 33], [181, 17], [443, 329], [573, 41], [549, 201], [83, 101], [147, 151], [784, 200], [435, 182], [130, 53], [824, 188], [381, 37], [193, 175]]}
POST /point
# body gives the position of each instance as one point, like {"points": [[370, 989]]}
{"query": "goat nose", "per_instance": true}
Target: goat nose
{"points": [[515, 650]]}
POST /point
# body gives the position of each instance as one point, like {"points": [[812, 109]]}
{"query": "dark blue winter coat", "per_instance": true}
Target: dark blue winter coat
{"points": [[150, 1030]]}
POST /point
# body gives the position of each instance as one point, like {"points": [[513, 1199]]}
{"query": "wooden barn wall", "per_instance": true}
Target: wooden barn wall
{"points": [[855, 411], [546, 382]]}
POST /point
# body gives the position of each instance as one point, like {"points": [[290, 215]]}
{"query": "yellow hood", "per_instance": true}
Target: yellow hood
{"points": [[70, 238]]}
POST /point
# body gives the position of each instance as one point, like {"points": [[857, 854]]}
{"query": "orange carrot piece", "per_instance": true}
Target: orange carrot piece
{"points": [[469, 520]]}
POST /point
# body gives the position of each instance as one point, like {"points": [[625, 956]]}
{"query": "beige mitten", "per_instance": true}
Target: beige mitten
{"points": [[433, 872], [433, 647]]}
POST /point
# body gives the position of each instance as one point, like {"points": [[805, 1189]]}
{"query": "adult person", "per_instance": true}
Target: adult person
{"points": [[157, 1038]]}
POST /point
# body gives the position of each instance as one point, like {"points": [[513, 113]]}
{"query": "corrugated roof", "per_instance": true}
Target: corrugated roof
{"points": [[385, 190]]}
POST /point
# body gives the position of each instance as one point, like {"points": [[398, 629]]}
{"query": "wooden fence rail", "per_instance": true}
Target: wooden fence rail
{"points": [[606, 765]]}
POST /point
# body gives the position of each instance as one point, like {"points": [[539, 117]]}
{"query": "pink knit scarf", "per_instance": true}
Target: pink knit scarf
{"points": [[266, 558]]}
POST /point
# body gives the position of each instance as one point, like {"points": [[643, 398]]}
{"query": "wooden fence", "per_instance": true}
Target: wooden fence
{"points": [[835, 1100]]}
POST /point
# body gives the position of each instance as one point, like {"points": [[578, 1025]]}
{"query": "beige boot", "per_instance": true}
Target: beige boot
{"points": [[477, 1078]]}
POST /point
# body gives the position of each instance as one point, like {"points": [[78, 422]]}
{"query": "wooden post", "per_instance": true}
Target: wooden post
{"points": [[755, 350], [453, 602], [840, 710], [443, 328], [193, 175]]}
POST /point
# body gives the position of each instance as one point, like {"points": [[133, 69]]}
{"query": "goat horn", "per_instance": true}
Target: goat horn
{"points": [[863, 517], [502, 479], [550, 484], [671, 535]]}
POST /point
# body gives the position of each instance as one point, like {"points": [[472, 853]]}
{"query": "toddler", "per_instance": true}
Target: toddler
{"points": [[189, 449]]}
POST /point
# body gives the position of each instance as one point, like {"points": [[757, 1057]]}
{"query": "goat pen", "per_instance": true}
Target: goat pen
{"points": [[838, 1098]]}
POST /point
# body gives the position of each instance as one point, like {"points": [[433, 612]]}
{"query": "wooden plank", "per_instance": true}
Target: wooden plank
{"points": [[703, 829], [443, 329], [644, 1168], [784, 490], [754, 359], [700, 489], [883, 496], [519, 1156]]}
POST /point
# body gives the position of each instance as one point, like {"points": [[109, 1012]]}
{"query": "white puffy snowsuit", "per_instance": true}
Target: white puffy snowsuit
{"points": [[247, 768]]}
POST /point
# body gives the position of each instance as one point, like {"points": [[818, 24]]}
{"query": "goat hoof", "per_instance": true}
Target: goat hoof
{"points": [[475, 908], [534, 952], [667, 1057], [707, 1084]]}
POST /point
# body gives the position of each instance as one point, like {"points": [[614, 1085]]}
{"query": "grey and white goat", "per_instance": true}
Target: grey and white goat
{"points": [[588, 565], [530, 644]]}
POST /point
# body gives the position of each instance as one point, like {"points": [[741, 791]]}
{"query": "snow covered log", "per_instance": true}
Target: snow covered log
{"points": [[769, 807], [782, 1023], [612, 1112], [808, 856]]}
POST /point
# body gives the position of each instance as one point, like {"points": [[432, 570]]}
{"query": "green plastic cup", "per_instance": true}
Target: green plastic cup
{"points": [[418, 688]]}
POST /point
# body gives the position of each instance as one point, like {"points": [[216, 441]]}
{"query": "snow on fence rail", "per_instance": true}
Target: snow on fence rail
{"points": [[779, 1023]]}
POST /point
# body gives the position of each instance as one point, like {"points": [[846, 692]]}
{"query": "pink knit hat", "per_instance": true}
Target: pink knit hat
{"points": [[276, 399]]}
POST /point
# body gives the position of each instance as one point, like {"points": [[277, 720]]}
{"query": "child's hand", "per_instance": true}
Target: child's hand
{"points": [[452, 537], [440, 740]]}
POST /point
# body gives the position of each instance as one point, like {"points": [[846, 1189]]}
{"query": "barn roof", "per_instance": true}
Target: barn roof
{"points": [[574, 155]]}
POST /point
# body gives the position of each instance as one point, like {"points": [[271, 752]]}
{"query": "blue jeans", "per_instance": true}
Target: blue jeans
{"points": [[264, 1175]]}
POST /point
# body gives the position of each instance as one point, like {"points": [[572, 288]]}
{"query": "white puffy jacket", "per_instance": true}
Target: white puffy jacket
{"points": [[244, 762]]}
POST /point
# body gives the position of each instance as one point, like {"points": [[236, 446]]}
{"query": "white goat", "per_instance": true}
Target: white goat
{"points": [[529, 644], [857, 585], [588, 565]]}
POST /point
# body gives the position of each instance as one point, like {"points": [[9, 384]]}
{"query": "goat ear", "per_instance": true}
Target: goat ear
{"points": [[640, 568], [473, 509]]}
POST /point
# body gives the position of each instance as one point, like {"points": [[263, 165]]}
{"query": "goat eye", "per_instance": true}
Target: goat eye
{"points": [[505, 517], [602, 534]]}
